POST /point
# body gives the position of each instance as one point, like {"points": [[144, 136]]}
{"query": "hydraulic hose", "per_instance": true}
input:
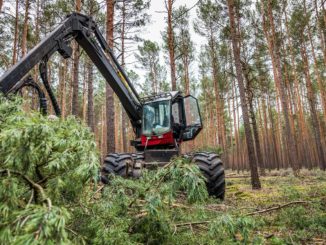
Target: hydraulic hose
{"points": [[44, 75]]}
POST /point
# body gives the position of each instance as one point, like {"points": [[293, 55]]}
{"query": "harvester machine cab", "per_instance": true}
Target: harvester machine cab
{"points": [[168, 120]]}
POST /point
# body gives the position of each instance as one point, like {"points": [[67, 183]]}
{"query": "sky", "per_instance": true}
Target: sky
{"points": [[158, 24], [153, 30]]}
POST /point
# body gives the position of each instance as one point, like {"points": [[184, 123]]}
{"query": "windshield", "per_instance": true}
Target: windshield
{"points": [[156, 118]]}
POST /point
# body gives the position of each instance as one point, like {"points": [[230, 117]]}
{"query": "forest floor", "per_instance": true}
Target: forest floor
{"points": [[287, 210]]}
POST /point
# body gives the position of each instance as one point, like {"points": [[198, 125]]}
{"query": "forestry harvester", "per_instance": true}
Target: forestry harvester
{"points": [[160, 122]]}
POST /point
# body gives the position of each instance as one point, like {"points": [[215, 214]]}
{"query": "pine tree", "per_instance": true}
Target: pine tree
{"points": [[236, 53], [133, 15], [185, 47], [208, 26], [150, 60], [171, 42], [110, 109]]}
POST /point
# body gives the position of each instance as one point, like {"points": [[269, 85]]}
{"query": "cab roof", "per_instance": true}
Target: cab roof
{"points": [[161, 96]]}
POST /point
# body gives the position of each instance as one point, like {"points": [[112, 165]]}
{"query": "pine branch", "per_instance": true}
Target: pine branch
{"points": [[31, 183], [193, 223], [150, 186], [277, 207]]}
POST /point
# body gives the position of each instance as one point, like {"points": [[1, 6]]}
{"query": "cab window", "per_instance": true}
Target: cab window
{"points": [[156, 118]]}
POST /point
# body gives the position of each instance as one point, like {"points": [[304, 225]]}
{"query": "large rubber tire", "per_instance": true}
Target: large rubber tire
{"points": [[212, 168], [115, 164]]}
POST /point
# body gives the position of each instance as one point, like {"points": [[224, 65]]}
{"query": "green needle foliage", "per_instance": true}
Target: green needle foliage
{"points": [[45, 165], [49, 194], [48, 187]]}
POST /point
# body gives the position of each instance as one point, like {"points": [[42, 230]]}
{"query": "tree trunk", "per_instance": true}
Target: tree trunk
{"points": [[75, 82], [110, 109], [185, 63], [70, 86], [256, 137], [312, 105], [218, 103], [14, 56], [75, 90], [302, 129], [253, 119], [37, 22], [1, 3], [171, 45], [265, 134], [236, 134], [25, 29], [321, 84], [273, 135], [90, 97], [186, 74], [124, 119], [103, 130], [84, 98], [236, 53], [320, 30], [277, 72], [63, 90]]}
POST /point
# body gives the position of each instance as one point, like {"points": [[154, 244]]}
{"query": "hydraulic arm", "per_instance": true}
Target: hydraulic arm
{"points": [[85, 31]]}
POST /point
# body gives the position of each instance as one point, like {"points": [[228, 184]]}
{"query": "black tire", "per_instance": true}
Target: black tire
{"points": [[115, 164], [212, 168]]}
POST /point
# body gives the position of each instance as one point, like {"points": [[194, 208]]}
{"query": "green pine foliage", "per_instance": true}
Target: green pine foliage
{"points": [[49, 169], [45, 166], [49, 194]]}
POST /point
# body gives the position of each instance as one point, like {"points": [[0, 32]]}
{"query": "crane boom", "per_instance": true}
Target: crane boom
{"points": [[85, 31]]}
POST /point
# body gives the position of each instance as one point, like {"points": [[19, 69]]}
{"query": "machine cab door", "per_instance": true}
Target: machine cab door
{"points": [[193, 119]]}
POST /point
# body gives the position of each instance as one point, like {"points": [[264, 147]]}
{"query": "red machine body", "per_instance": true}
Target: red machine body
{"points": [[158, 140]]}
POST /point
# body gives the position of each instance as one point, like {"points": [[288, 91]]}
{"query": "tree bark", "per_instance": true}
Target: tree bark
{"points": [[63, 89], [256, 137], [103, 131], [69, 86], [90, 97], [274, 135], [37, 22], [236, 133], [75, 90], [236, 53], [264, 133], [124, 120], [75, 82], [25, 29], [250, 92], [84, 90], [14, 52], [110, 107], [1, 3], [171, 45], [185, 61]]}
